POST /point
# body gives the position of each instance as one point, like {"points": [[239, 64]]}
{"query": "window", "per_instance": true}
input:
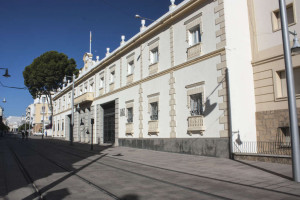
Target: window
{"points": [[282, 90], [130, 115], [196, 104], [62, 125], [101, 83], [58, 125], [85, 87], [290, 17], [154, 55], [112, 76], [43, 109], [194, 35], [154, 111], [80, 90], [91, 87], [130, 67]]}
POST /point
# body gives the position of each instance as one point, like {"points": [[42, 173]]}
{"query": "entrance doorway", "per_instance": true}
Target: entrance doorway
{"points": [[109, 122]]}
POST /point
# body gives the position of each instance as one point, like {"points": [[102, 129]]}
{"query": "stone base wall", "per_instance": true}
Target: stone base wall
{"points": [[268, 122], [265, 158], [214, 147]]}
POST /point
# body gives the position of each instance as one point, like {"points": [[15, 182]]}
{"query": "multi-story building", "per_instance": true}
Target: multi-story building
{"points": [[14, 122], [166, 87], [40, 113], [272, 116]]}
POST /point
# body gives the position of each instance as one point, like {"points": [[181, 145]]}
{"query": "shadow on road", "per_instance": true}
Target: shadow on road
{"points": [[33, 155]]}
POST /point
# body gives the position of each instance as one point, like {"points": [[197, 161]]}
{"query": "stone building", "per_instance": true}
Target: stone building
{"points": [[272, 117], [166, 87]]}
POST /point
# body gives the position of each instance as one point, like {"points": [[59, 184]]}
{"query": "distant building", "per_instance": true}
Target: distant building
{"points": [[39, 114], [13, 122]]}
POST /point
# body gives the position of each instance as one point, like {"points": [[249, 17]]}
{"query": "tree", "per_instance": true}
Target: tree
{"points": [[46, 73], [22, 127]]}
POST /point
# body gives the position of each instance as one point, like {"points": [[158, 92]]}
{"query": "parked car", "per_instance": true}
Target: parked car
{"points": [[38, 134]]}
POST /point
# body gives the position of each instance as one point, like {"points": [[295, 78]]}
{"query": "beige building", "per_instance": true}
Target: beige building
{"points": [[41, 112], [272, 118]]}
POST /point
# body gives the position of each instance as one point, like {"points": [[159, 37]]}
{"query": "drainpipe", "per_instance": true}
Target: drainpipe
{"points": [[229, 115]]}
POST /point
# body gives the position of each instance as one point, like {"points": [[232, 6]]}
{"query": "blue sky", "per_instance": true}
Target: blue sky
{"points": [[29, 28]]}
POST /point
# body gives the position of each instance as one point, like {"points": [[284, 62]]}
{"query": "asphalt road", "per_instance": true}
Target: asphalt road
{"points": [[52, 169]]}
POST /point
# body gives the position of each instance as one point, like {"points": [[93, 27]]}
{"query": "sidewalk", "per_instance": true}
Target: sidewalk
{"points": [[258, 175]]}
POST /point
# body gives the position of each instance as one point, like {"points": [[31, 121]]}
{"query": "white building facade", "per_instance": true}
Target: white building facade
{"points": [[166, 88]]}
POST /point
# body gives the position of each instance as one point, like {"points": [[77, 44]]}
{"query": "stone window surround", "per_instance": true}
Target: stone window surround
{"points": [[130, 58], [151, 99], [154, 44], [277, 85], [101, 75], [153, 67], [129, 104], [195, 88], [91, 84], [112, 70], [192, 23], [274, 20]]}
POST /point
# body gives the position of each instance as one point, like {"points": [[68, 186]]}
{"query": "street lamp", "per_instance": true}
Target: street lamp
{"points": [[291, 89], [6, 72], [72, 107], [296, 46], [138, 16]]}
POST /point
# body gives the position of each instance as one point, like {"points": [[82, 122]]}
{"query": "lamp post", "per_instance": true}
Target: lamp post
{"points": [[291, 90], [72, 107], [6, 72], [138, 16]]}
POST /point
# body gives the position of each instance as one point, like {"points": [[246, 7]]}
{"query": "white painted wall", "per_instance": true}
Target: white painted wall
{"points": [[239, 57], [204, 71]]}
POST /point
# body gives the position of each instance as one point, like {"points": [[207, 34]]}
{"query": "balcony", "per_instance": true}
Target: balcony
{"points": [[129, 128], [196, 124], [86, 97], [194, 51], [153, 127]]}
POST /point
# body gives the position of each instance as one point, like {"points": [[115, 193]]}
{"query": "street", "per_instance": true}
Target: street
{"points": [[52, 169]]}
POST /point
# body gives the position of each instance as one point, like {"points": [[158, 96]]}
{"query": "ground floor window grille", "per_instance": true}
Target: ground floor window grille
{"points": [[130, 115], [154, 111], [196, 104]]}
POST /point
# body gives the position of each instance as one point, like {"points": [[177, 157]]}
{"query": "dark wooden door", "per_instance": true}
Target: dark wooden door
{"points": [[109, 125]]}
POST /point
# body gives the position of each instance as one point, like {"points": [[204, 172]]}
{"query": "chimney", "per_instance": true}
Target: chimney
{"points": [[172, 6], [107, 53], [97, 57], [143, 27], [123, 40]]}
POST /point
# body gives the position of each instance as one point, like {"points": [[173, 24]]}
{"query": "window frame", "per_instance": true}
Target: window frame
{"points": [[275, 17], [154, 51], [129, 117], [194, 31], [130, 67], [154, 115]]}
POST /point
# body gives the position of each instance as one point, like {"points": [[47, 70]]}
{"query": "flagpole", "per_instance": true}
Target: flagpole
{"points": [[90, 42]]}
